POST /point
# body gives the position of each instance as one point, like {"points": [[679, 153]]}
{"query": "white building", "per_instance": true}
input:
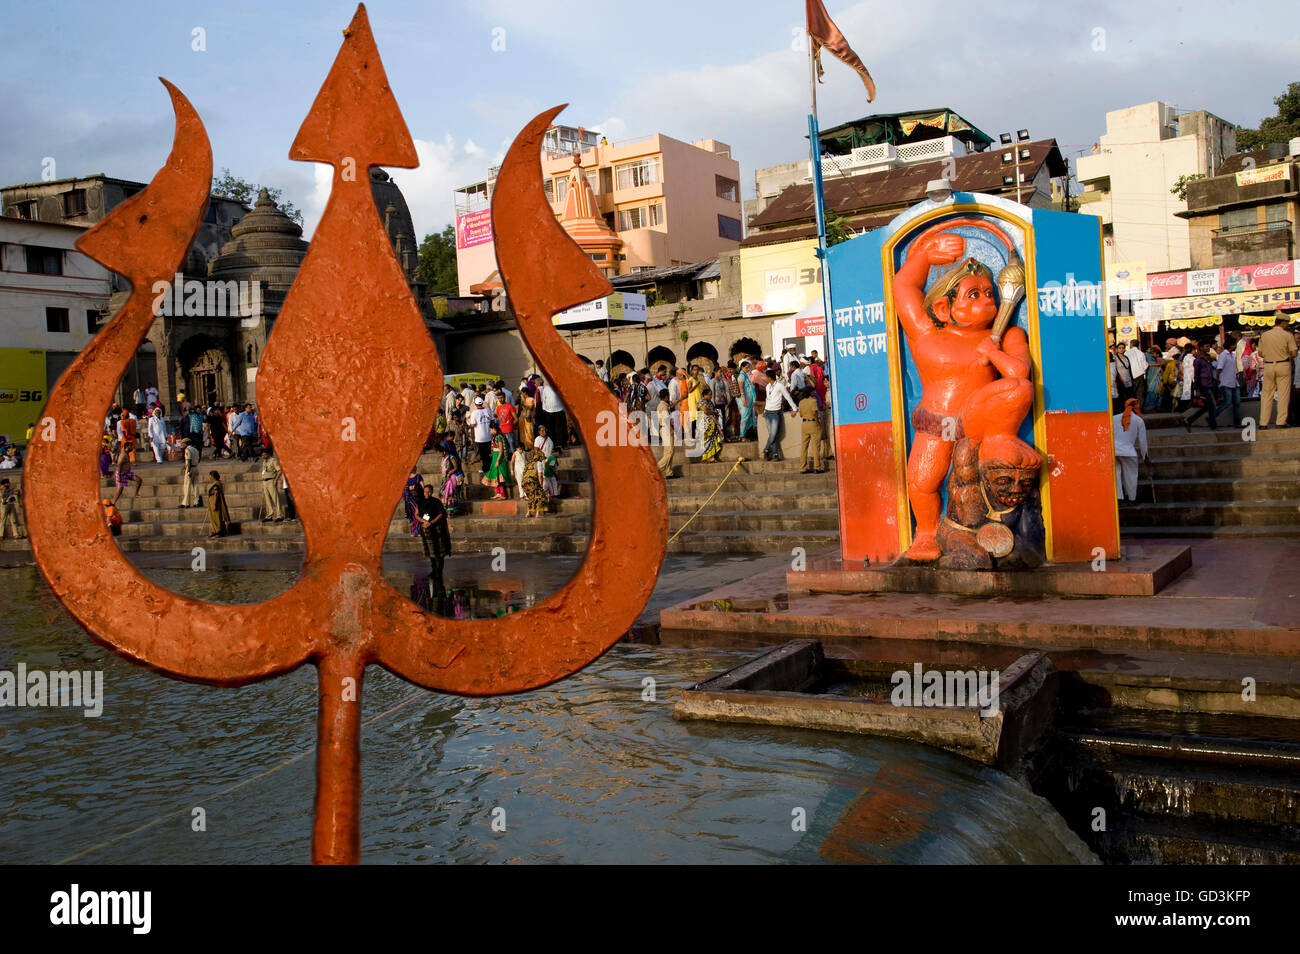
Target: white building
{"points": [[52, 299], [1127, 182]]}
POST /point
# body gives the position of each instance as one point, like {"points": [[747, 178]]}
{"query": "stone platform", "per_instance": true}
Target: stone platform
{"points": [[1144, 571], [1237, 598]]}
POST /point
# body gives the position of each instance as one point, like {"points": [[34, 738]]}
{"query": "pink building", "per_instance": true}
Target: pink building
{"points": [[647, 203]]}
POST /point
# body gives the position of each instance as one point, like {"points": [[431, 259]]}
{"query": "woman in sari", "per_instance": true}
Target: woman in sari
{"points": [[550, 467], [497, 474], [534, 487], [710, 432], [518, 461], [412, 494], [748, 416], [527, 416], [1251, 364], [218, 513], [453, 480]]}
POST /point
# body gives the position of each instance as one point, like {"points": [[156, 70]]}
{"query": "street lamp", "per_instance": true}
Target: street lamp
{"points": [[1015, 155]]}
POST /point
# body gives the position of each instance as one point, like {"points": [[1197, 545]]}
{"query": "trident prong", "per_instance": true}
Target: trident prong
{"points": [[348, 331]]}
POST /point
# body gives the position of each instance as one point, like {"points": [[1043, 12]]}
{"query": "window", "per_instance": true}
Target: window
{"points": [[657, 214], [602, 256], [24, 210], [74, 202], [1275, 216], [561, 188], [210, 215], [1238, 220], [56, 320], [593, 182], [629, 219], [607, 180], [44, 261], [548, 187], [728, 189], [92, 320], [630, 175], [729, 228]]}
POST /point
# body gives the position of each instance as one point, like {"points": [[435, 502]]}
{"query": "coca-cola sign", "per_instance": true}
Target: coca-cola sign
{"points": [[1167, 285], [1236, 278]]}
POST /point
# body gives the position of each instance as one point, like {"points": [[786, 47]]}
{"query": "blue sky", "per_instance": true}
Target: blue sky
{"points": [[78, 80]]}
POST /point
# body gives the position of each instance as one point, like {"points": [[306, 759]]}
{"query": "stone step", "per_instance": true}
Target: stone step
{"points": [[741, 503], [744, 541], [1194, 532], [1223, 489], [1255, 465], [1211, 513], [1232, 446], [758, 522]]}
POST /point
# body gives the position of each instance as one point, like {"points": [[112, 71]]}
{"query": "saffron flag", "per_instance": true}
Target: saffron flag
{"points": [[824, 33]]}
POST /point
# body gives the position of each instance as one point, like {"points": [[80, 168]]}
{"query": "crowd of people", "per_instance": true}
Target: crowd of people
{"points": [[1206, 378], [233, 432]]}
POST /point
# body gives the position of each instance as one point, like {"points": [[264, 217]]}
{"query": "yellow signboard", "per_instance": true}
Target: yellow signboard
{"points": [[780, 279], [22, 390], [1122, 277], [1254, 176], [1233, 303]]}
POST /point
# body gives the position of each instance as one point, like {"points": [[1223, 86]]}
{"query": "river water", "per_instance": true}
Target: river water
{"points": [[588, 770]]}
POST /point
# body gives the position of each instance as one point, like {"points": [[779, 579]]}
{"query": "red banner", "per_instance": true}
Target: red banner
{"points": [[810, 327]]}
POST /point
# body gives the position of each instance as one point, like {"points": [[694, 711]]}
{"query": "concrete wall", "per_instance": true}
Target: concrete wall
{"points": [[1143, 152], [84, 285]]}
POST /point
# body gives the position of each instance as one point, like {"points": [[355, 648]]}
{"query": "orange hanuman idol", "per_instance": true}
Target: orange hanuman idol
{"points": [[974, 372]]}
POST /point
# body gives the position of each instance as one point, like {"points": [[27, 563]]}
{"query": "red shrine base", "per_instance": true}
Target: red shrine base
{"points": [[1237, 597], [1144, 571]]}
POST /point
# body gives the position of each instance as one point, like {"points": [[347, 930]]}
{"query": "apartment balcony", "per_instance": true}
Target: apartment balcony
{"points": [[884, 155]]}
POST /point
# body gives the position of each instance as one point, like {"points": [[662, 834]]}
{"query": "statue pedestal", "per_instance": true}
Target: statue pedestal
{"points": [[1144, 571]]}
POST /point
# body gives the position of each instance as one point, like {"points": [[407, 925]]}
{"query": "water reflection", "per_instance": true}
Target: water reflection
{"points": [[593, 768]]}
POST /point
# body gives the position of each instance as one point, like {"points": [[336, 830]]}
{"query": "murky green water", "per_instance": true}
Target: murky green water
{"points": [[587, 770]]}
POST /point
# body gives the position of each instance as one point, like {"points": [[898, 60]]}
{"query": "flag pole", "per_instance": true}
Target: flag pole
{"points": [[814, 153]]}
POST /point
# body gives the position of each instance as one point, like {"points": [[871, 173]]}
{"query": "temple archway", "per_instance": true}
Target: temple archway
{"points": [[660, 358], [703, 354], [743, 348], [205, 370], [621, 362]]}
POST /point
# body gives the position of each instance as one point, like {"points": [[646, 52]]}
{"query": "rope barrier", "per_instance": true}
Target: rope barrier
{"points": [[739, 461]]}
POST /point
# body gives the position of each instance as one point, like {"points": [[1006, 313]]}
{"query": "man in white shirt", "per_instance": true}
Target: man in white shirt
{"points": [[480, 420], [788, 360], [467, 393], [448, 401], [1225, 370], [543, 443], [1130, 450], [491, 400], [602, 372], [1189, 375], [1137, 361], [799, 374], [158, 435], [553, 414], [777, 396], [150, 396]]}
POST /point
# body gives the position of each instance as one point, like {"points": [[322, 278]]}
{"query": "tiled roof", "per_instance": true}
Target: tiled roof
{"points": [[852, 196]]}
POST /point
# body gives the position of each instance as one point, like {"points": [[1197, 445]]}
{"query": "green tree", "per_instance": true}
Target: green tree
{"points": [[241, 190], [1180, 184], [837, 228], [438, 262], [1283, 127]]}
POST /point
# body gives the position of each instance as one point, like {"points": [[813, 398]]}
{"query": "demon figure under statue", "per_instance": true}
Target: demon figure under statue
{"points": [[974, 368]]}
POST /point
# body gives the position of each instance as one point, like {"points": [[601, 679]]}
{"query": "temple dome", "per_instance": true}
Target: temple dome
{"points": [[266, 246]]}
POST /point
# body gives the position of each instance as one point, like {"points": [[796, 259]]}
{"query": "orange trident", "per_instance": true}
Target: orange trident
{"points": [[341, 356]]}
